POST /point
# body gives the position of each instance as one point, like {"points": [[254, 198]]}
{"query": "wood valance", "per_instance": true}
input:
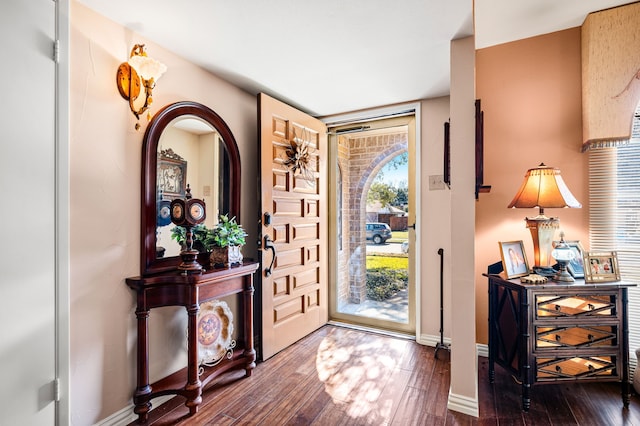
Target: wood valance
{"points": [[610, 75]]}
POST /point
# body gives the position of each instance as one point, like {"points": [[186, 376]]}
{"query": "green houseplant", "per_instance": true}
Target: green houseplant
{"points": [[225, 242], [200, 235]]}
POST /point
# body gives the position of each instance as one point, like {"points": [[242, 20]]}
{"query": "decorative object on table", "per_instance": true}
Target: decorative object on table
{"points": [[563, 254], [188, 212], [534, 279], [226, 241], [601, 266], [139, 71], [215, 333], [514, 259], [576, 265], [543, 187]]}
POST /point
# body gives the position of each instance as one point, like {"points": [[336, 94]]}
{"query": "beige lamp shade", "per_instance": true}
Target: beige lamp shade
{"points": [[543, 187]]}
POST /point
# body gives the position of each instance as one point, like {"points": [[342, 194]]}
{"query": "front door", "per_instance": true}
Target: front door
{"points": [[294, 224], [372, 277]]}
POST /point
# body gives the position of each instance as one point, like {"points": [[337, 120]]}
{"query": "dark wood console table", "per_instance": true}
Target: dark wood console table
{"points": [[176, 289], [559, 332]]}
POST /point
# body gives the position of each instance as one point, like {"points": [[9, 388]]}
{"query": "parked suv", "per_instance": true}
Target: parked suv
{"points": [[378, 232]]}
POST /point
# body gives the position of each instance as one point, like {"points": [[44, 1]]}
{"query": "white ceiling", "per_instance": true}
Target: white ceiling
{"points": [[333, 56]]}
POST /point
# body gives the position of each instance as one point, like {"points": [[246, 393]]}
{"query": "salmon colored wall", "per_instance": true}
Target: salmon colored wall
{"points": [[531, 97]]}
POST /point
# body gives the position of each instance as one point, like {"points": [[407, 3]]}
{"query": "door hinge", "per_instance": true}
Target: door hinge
{"points": [[56, 390], [56, 51]]}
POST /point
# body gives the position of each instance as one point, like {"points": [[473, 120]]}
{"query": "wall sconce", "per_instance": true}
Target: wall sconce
{"points": [[543, 187], [139, 71]]}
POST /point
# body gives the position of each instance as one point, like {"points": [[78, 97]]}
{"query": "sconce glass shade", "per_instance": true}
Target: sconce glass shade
{"points": [[543, 187], [139, 73], [147, 68]]}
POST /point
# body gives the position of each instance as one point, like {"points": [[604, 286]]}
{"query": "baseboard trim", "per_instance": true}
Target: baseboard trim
{"points": [[431, 340], [463, 404], [126, 415]]}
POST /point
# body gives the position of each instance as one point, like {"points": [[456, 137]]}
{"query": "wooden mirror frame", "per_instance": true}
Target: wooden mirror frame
{"points": [[149, 263]]}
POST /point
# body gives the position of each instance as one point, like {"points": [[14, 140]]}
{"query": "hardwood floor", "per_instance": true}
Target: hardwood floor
{"points": [[340, 376]]}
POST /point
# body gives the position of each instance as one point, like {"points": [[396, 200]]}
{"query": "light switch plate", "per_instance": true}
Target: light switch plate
{"points": [[436, 182]]}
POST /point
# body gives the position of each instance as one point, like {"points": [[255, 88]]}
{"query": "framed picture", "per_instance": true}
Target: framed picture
{"points": [[601, 266], [172, 175], [576, 266], [514, 259]]}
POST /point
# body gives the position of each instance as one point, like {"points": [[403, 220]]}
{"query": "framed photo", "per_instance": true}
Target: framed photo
{"points": [[576, 266], [601, 267], [514, 259], [172, 175]]}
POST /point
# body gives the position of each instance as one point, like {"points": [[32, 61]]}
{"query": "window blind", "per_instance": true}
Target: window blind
{"points": [[614, 219]]}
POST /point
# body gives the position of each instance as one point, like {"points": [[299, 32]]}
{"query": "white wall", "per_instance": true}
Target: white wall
{"points": [[435, 220], [463, 393], [105, 170]]}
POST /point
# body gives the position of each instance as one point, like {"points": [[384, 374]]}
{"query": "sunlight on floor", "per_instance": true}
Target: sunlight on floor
{"points": [[355, 373]]}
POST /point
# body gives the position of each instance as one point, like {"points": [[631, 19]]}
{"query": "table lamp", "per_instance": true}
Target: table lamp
{"points": [[543, 187]]}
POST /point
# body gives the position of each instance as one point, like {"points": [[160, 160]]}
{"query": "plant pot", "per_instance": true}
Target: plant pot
{"points": [[226, 256]]}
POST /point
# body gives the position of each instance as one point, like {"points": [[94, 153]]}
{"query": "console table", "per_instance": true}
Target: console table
{"points": [[177, 289], [558, 332]]}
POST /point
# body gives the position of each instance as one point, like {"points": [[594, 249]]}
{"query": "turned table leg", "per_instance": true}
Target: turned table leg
{"points": [[193, 387], [143, 391]]}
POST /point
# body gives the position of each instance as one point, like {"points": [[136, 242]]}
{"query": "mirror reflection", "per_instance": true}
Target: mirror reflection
{"points": [[186, 143], [190, 152]]}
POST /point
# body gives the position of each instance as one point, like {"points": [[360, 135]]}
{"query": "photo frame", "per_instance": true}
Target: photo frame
{"points": [[601, 266], [172, 175], [514, 259], [576, 266]]}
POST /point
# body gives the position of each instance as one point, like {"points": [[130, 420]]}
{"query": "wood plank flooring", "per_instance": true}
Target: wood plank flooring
{"points": [[341, 376]]}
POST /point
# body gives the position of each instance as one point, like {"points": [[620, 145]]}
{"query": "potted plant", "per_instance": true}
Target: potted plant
{"points": [[225, 242], [200, 235]]}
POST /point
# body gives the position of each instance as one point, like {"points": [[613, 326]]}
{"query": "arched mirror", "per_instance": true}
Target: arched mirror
{"points": [[186, 143]]}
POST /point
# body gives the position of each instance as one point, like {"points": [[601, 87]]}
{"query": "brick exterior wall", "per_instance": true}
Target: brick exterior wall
{"points": [[360, 159]]}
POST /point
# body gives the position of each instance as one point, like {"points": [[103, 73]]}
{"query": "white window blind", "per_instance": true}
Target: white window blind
{"points": [[614, 219]]}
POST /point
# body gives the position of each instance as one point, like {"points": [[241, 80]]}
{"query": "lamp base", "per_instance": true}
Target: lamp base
{"points": [[563, 276], [544, 271]]}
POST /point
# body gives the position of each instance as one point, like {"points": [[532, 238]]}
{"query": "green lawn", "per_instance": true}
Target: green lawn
{"points": [[398, 236], [387, 262]]}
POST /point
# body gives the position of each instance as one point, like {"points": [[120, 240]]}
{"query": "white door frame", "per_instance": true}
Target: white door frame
{"points": [[62, 283], [382, 113]]}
